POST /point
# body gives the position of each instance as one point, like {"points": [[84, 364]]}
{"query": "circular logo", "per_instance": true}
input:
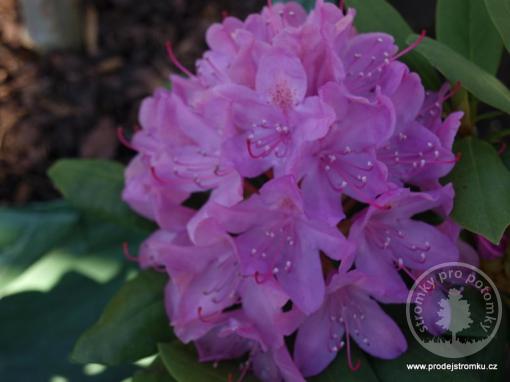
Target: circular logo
{"points": [[453, 310]]}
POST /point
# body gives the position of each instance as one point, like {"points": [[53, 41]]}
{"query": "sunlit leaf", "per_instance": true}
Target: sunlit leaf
{"points": [[28, 233]]}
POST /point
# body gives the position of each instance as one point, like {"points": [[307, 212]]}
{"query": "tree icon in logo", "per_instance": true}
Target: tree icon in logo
{"points": [[454, 313]]}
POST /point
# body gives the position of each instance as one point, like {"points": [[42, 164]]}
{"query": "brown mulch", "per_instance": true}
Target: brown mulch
{"points": [[68, 104]]}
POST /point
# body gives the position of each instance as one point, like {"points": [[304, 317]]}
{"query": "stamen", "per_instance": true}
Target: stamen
{"points": [[173, 58], [127, 255], [457, 159], [341, 5], [349, 360], [122, 139], [402, 267], [454, 90], [244, 371], [224, 14], [412, 46]]}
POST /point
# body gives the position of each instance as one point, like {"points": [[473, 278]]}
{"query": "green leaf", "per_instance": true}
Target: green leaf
{"points": [[182, 362], [380, 16], [465, 26], [505, 157], [38, 331], [455, 67], [27, 234], [156, 372], [482, 184], [92, 248], [499, 11], [132, 324], [95, 186]]}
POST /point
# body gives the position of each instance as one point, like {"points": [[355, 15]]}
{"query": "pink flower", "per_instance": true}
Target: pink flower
{"points": [[296, 130]]}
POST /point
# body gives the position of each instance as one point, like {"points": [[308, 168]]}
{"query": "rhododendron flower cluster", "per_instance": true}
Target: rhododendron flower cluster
{"points": [[286, 177]]}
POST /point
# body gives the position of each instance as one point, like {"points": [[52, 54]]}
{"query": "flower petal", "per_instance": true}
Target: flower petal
{"points": [[376, 333], [312, 350]]}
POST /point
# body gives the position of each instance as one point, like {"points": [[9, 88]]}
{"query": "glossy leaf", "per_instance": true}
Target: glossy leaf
{"points": [[499, 11], [95, 186], [482, 184], [28, 233], [38, 331], [455, 67], [380, 16], [132, 324], [182, 362], [465, 26]]}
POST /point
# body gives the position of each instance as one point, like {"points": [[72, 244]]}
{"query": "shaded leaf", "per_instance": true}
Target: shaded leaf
{"points": [[465, 26], [455, 67], [499, 11], [28, 233], [380, 16], [132, 324], [495, 352], [482, 184], [95, 186], [156, 372], [38, 331], [182, 362]]}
